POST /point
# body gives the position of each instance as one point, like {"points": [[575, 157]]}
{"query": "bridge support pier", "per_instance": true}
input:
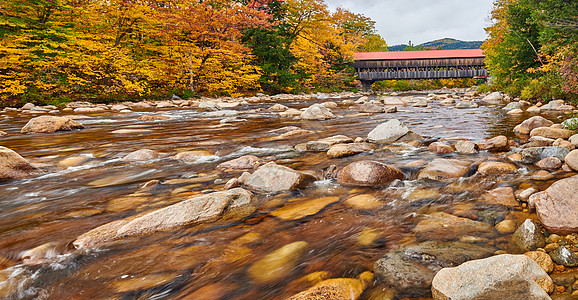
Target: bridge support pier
{"points": [[366, 86]]}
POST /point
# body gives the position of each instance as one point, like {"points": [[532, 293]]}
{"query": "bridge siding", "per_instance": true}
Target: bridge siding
{"points": [[420, 68]]}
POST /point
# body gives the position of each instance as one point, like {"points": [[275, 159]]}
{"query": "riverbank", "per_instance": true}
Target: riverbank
{"points": [[278, 197]]}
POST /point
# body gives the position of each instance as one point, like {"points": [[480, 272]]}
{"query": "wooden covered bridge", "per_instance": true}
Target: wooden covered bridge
{"points": [[407, 65]]}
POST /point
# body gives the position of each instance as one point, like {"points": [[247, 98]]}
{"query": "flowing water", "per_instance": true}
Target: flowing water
{"points": [[211, 262]]}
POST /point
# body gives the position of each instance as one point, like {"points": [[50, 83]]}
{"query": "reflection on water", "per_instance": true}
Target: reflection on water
{"points": [[211, 262]]}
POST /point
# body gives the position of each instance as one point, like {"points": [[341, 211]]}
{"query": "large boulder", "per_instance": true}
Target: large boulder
{"points": [[389, 132], [50, 124], [14, 166], [444, 169], [534, 122], [273, 178], [228, 205], [499, 277], [557, 206], [411, 269], [368, 173], [317, 112]]}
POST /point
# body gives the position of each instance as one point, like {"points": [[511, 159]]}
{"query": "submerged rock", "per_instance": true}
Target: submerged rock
{"points": [[336, 289], [141, 155], [301, 209], [557, 206], [50, 124], [14, 166], [444, 227], [443, 169], [232, 204], [368, 173], [410, 270], [278, 264], [273, 178], [498, 277]]}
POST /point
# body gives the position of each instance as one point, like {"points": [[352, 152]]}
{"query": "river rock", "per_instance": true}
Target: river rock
{"points": [[493, 98], [444, 169], [342, 150], [528, 237], [498, 277], [572, 160], [153, 118], [14, 166], [440, 148], [542, 259], [565, 257], [501, 196], [444, 227], [466, 147], [512, 106], [336, 289], [207, 105], [549, 163], [533, 155], [317, 112], [371, 108], [496, 168], [278, 107], [557, 206], [301, 209], [278, 264], [411, 269], [273, 178], [552, 133], [192, 155], [368, 173], [326, 143], [228, 205], [50, 124], [465, 105], [141, 155], [534, 122], [393, 101], [498, 143], [388, 132], [245, 162]]}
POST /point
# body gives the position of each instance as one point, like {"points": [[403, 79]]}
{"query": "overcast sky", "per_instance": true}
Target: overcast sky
{"points": [[399, 21]]}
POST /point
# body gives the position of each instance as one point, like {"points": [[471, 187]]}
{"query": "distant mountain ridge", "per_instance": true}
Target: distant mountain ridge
{"points": [[441, 44]]}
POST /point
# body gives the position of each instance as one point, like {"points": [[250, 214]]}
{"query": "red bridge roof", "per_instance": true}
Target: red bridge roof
{"points": [[429, 54]]}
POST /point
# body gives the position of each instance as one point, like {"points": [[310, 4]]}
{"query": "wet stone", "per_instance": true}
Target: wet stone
{"points": [[273, 178], [466, 147], [534, 122], [535, 154], [342, 150], [557, 206], [278, 264], [542, 259], [549, 163], [245, 162], [368, 173], [501, 196], [141, 155], [528, 237], [326, 143], [440, 148], [336, 289], [50, 124], [445, 227], [565, 257], [496, 168], [443, 169], [14, 166], [301, 209]]}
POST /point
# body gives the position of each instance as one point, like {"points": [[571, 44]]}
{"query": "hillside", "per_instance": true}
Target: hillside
{"points": [[442, 44]]}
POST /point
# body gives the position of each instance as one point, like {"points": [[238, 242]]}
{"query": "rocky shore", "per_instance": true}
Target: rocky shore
{"points": [[489, 218]]}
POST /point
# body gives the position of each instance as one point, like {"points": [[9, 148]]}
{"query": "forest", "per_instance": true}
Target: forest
{"points": [[52, 51], [532, 48]]}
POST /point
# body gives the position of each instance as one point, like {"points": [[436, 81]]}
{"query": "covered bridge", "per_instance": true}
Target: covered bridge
{"points": [[431, 64]]}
